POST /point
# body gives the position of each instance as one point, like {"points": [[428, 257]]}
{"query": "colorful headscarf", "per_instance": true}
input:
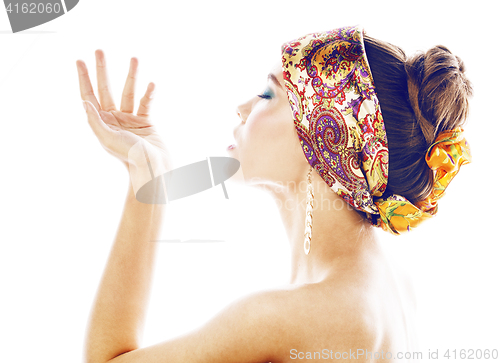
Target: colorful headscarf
{"points": [[339, 122]]}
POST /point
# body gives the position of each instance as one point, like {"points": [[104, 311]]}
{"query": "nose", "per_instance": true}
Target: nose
{"points": [[238, 112], [244, 110]]}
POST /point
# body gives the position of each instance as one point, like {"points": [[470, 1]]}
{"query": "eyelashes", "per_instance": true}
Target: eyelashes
{"points": [[267, 95]]}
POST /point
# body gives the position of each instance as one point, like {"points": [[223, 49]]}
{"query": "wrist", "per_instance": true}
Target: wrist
{"points": [[147, 166], [146, 185]]}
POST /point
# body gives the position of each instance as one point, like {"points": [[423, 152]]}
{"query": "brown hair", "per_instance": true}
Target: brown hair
{"points": [[420, 96]]}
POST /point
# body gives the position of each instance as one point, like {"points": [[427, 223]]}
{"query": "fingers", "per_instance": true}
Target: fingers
{"points": [[86, 91], [145, 104], [107, 103], [101, 130], [127, 104]]}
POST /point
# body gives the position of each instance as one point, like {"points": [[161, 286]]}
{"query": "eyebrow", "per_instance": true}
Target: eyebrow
{"points": [[274, 79]]}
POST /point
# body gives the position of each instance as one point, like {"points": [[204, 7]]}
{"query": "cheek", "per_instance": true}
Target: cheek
{"points": [[268, 131], [272, 136], [256, 144]]}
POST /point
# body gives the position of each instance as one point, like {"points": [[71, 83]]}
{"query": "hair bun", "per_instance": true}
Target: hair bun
{"points": [[438, 90]]}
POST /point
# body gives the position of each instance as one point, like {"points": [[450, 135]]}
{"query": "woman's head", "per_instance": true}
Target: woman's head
{"points": [[355, 104]]}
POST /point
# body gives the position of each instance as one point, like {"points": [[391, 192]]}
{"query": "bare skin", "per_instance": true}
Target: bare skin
{"points": [[343, 296]]}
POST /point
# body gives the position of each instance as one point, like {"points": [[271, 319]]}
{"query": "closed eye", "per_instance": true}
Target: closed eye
{"points": [[268, 94]]}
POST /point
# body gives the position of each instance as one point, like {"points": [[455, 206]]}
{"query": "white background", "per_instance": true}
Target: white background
{"points": [[62, 194]]}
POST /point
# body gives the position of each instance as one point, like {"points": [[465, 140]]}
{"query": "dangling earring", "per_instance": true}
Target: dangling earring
{"points": [[309, 211]]}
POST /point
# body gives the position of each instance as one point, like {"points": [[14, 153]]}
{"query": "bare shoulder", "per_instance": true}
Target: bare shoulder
{"points": [[349, 312], [339, 315], [310, 316]]}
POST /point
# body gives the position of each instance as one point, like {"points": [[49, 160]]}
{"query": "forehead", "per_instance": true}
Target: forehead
{"points": [[277, 71]]}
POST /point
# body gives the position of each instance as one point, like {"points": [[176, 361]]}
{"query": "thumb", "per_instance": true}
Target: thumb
{"points": [[101, 130]]}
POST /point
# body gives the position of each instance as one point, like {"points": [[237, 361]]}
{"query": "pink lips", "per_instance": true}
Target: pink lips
{"points": [[230, 147]]}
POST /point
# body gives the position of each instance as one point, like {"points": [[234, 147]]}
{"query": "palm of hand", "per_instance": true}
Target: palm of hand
{"points": [[127, 136]]}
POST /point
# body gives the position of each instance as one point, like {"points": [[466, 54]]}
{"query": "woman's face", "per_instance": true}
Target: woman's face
{"points": [[267, 144]]}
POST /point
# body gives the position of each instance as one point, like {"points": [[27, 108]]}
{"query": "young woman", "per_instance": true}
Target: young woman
{"points": [[382, 133]]}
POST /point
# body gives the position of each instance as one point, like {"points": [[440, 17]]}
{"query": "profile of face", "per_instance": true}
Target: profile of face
{"points": [[267, 144]]}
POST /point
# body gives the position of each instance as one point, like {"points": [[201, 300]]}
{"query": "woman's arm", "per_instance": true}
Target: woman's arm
{"points": [[118, 313]]}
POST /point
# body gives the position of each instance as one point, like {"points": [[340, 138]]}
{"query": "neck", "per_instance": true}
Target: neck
{"points": [[340, 235]]}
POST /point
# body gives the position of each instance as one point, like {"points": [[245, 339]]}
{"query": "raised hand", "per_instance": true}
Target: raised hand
{"points": [[131, 138]]}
